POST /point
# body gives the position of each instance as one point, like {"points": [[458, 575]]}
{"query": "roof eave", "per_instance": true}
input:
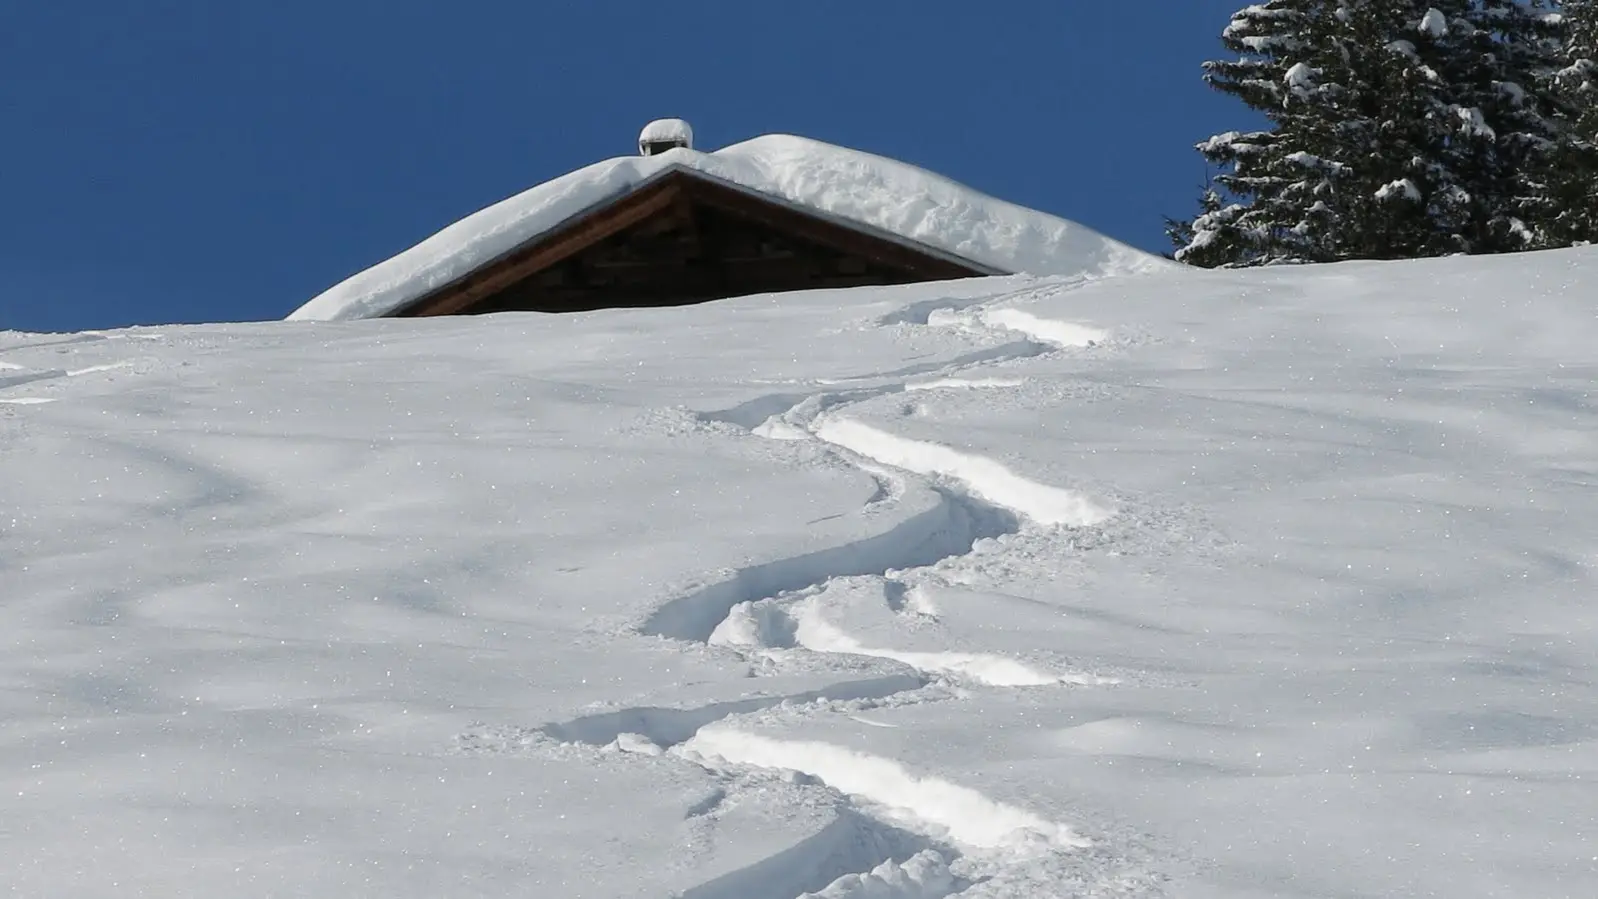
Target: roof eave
{"points": [[677, 169]]}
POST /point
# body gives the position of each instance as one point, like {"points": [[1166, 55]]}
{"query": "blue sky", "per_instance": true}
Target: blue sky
{"points": [[193, 160]]}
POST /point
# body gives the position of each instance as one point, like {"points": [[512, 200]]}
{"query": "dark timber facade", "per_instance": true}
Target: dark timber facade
{"points": [[682, 238]]}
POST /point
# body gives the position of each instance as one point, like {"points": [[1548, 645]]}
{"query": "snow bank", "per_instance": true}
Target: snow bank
{"points": [[859, 188]]}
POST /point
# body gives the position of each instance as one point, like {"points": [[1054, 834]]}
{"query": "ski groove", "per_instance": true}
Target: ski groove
{"points": [[985, 478], [798, 624], [920, 803], [667, 727], [948, 529]]}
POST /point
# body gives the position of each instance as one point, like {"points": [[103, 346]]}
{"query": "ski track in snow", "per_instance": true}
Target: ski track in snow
{"points": [[919, 803], [1059, 333], [666, 728], [14, 375], [789, 624], [906, 828], [983, 477], [965, 383]]}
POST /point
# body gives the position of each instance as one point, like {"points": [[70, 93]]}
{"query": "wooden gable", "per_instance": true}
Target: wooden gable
{"points": [[681, 239]]}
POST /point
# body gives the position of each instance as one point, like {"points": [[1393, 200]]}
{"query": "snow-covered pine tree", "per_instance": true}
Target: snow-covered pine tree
{"points": [[1405, 197], [1264, 221], [1498, 54], [1399, 129], [1347, 168], [1570, 207]]}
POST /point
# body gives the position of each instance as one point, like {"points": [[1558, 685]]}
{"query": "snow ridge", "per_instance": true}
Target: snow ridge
{"points": [[986, 478], [947, 529], [920, 803], [789, 624]]}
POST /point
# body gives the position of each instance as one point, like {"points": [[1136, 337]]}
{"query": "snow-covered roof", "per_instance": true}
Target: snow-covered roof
{"points": [[871, 192]]}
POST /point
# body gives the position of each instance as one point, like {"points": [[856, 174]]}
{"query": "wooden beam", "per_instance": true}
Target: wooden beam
{"points": [[826, 233], [680, 194], [546, 252]]}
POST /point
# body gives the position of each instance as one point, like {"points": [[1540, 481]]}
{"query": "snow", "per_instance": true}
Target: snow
{"points": [[1182, 583], [1300, 79], [870, 191], [1473, 123], [962, 815], [1512, 91], [1434, 23], [983, 477], [1403, 188], [1311, 161], [667, 131], [924, 876], [1404, 48]]}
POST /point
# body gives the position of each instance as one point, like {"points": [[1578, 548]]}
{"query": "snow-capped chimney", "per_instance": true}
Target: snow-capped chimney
{"points": [[665, 134]]}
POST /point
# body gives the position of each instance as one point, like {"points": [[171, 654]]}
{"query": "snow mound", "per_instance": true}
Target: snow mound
{"points": [[667, 131], [858, 188], [924, 876]]}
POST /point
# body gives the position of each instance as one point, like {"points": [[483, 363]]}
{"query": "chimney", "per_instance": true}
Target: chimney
{"points": [[665, 134]]}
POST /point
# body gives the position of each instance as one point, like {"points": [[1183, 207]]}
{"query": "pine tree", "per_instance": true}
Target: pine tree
{"points": [[1398, 129], [1403, 133], [1502, 52], [1260, 228], [1214, 238], [1569, 212]]}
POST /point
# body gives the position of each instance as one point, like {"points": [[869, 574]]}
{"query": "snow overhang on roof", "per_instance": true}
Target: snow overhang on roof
{"points": [[871, 193]]}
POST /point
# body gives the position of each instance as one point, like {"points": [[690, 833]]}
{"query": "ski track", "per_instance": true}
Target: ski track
{"points": [[948, 529], [666, 728], [1058, 333], [788, 624], [964, 383], [984, 477], [898, 831], [1015, 351], [29, 377], [80, 337], [14, 375], [109, 366], [919, 803]]}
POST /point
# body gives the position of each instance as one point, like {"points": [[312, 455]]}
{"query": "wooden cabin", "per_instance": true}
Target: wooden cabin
{"points": [[685, 237], [673, 226]]}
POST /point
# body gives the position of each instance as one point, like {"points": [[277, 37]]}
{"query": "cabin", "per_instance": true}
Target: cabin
{"points": [[673, 226]]}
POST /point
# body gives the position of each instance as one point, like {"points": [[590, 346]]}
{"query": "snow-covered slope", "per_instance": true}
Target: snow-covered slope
{"points": [[1264, 584], [882, 194]]}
